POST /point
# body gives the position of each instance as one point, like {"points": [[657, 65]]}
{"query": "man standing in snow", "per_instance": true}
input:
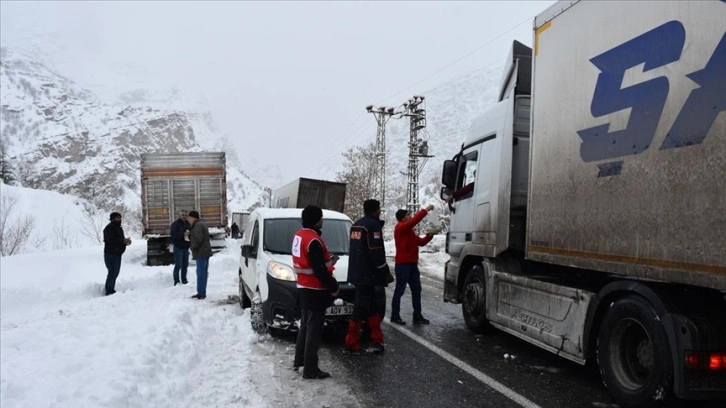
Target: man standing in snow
{"points": [[369, 272], [179, 231], [407, 243], [201, 252], [114, 246], [316, 288]]}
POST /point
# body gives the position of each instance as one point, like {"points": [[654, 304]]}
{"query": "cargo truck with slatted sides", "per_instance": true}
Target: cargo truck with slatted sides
{"points": [[171, 182], [588, 204]]}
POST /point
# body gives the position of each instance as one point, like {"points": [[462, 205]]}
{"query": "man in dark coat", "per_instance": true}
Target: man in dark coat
{"points": [[201, 252], [235, 230], [369, 272], [179, 231], [114, 246]]}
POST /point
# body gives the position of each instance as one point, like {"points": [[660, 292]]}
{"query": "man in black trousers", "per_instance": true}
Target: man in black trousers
{"points": [[114, 246], [317, 287]]}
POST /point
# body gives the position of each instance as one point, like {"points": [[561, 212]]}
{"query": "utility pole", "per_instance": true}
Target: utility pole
{"points": [[382, 115], [269, 196], [417, 148]]}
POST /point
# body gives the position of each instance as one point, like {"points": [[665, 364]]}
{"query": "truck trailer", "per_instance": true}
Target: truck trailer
{"points": [[588, 206], [327, 195], [171, 182]]}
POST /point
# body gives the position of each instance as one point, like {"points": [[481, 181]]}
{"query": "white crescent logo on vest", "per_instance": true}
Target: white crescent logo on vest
{"points": [[296, 245]]}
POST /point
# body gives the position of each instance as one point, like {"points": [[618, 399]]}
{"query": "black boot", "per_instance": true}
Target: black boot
{"points": [[316, 376], [398, 320], [420, 320]]}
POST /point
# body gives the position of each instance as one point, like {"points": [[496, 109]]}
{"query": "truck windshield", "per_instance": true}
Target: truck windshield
{"points": [[279, 233]]}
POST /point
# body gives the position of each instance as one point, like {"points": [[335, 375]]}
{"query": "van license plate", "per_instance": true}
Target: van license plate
{"points": [[339, 310]]}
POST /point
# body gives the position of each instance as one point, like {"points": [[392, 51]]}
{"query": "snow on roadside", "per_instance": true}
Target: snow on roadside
{"points": [[64, 344]]}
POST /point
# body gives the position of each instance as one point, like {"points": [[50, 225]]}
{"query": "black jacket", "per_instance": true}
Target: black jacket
{"points": [[367, 264], [176, 230], [114, 239]]}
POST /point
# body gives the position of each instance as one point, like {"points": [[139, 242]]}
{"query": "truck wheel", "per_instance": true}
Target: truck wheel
{"points": [[473, 305], [633, 354], [256, 318], [244, 300]]}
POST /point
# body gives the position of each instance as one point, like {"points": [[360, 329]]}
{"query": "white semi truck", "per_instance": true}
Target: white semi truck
{"points": [[589, 210]]}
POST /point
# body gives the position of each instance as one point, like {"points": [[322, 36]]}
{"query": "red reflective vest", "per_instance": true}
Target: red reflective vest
{"points": [[301, 260]]}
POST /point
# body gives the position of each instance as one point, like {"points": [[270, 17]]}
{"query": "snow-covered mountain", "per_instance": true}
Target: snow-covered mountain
{"points": [[61, 137]]}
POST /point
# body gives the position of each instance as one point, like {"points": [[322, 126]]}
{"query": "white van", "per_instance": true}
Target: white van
{"points": [[267, 282]]}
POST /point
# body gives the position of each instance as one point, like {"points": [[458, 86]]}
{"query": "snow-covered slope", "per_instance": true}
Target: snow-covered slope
{"points": [[59, 136]]}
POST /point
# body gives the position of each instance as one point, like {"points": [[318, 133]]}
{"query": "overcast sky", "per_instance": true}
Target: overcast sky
{"points": [[287, 81]]}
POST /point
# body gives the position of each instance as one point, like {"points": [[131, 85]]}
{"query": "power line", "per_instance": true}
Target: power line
{"points": [[461, 58], [362, 127]]}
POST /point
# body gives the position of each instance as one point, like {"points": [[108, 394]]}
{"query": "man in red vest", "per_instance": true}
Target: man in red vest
{"points": [[317, 287], [407, 243]]}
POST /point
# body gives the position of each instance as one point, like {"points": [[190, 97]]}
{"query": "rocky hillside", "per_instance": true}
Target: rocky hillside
{"points": [[58, 136]]}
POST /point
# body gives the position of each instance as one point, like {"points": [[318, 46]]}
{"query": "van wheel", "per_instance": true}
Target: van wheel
{"points": [[256, 318], [634, 355], [473, 305], [244, 300]]}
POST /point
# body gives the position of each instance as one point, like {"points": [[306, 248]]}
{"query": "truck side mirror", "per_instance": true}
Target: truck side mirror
{"points": [[446, 193], [448, 175], [248, 251]]}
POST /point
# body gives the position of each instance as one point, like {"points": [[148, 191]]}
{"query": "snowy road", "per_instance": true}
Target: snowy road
{"points": [[63, 344]]}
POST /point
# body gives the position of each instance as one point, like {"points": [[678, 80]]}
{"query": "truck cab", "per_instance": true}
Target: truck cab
{"points": [[267, 283], [489, 176]]}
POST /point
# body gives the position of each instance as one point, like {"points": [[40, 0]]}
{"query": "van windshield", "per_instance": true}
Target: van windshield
{"points": [[279, 233]]}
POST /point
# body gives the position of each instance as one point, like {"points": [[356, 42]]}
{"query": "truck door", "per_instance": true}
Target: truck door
{"points": [[482, 218], [462, 223]]}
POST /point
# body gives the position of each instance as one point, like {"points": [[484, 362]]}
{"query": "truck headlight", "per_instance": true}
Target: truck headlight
{"points": [[280, 271]]}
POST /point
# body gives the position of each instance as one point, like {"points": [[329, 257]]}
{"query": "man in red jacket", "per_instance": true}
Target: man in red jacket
{"points": [[407, 243]]}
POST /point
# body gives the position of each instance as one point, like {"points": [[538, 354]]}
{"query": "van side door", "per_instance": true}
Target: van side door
{"points": [[249, 261]]}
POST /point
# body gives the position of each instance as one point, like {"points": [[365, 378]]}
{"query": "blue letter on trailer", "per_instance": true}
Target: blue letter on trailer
{"points": [[656, 48], [703, 104]]}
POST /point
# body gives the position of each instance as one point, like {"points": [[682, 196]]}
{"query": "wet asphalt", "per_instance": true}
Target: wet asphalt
{"points": [[408, 374]]}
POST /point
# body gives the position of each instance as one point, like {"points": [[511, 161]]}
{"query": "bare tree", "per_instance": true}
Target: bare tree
{"points": [[62, 236], [358, 176], [92, 223], [14, 232]]}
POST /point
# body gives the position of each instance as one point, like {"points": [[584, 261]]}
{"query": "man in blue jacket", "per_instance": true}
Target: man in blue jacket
{"points": [[369, 272], [179, 231]]}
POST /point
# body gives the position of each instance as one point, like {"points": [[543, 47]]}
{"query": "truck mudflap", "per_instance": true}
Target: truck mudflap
{"points": [[451, 288], [699, 350], [158, 251]]}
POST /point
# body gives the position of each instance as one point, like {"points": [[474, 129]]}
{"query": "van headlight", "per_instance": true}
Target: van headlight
{"points": [[280, 271]]}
